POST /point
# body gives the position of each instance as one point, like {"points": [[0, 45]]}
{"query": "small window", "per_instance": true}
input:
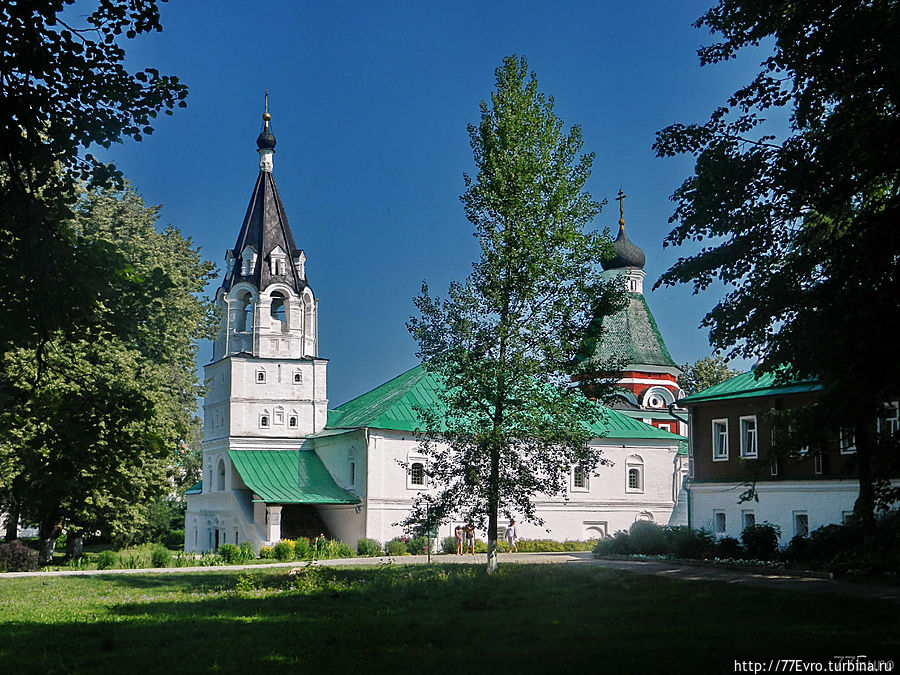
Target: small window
{"points": [[773, 466], [264, 420], [352, 473], [220, 478], [417, 473], [847, 441], [889, 419], [634, 474], [819, 463], [579, 478], [292, 421], [634, 479], [260, 376], [749, 444], [748, 519], [298, 377], [719, 520], [801, 524], [720, 440]]}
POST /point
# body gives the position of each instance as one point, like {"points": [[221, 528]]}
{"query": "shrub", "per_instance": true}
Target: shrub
{"points": [[480, 546], [17, 557], [684, 542], [395, 547], [647, 537], [174, 539], [230, 553], [283, 550], [339, 549], [729, 547], [303, 550], [761, 540], [448, 545], [368, 548], [160, 556], [247, 553], [418, 545], [266, 552], [106, 560]]}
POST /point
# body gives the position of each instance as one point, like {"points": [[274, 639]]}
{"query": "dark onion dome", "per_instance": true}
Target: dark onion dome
{"points": [[266, 141], [626, 254]]}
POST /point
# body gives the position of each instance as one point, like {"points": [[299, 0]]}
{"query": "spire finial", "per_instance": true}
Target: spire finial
{"points": [[621, 210], [266, 115]]}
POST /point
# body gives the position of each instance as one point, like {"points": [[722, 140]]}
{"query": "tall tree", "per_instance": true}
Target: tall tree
{"points": [[63, 88], [509, 424], [704, 373], [805, 226], [96, 437]]}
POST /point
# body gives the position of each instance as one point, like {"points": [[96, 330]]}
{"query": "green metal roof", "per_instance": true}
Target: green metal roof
{"points": [[195, 489], [289, 477], [748, 385], [393, 406], [630, 336]]}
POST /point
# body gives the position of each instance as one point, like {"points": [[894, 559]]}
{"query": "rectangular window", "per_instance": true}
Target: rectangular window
{"points": [[579, 479], [889, 420], [749, 444], [719, 520], [819, 464], [352, 473], [773, 466], [801, 524], [748, 518], [847, 441], [792, 430], [720, 440]]}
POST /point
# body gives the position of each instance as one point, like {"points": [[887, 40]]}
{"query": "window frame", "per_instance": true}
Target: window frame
{"points": [[847, 441], [893, 420], [747, 516], [797, 515], [716, 455], [745, 433], [411, 468], [585, 479], [716, 529]]}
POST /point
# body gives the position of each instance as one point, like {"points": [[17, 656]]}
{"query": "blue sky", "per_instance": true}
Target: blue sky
{"points": [[370, 103]]}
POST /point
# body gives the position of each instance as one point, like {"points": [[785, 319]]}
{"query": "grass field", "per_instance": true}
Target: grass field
{"points": [[454, 618]]}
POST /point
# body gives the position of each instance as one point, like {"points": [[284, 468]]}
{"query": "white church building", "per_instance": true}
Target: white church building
{"points": [[277, 464]]}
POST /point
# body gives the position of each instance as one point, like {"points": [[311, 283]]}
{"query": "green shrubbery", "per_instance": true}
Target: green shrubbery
{"points": [[283, 551], [17, 557], [368, 548], [160, 556], [761, 541], [395, 547], [418, 545], [448, 545], [106, 560], [647, 538]]}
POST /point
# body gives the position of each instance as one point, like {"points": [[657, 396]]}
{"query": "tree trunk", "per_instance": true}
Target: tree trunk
{"points": [[864, 508], [12, 524], [74, 543], [49, 533], [493, 508]]}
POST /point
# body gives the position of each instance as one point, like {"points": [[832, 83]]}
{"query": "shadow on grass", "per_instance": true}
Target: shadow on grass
{"points": [[532, 618]]}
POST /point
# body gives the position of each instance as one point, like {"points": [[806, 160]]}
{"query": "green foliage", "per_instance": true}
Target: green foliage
{"points": [[503, 345], [618, 544], [283, 551], [395, 547], [729, 547], [266, 552], [685, 542], [646, 537], [247, 553], [803, 223], [106, 560], [303, 549], [368, 548], [761, 540], [418, 545], [174, 539], [230, 553], [160, 556], [704, 373], [17, 557]]}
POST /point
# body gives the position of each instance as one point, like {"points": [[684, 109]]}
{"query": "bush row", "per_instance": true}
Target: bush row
{"points": [[306, 549], [841, 549]]}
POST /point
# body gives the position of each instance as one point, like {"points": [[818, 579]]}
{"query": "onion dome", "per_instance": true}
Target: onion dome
{"points": [[265, 140], [625, 252]]}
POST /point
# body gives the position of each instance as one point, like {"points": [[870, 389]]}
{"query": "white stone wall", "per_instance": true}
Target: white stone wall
{"points": [[823, 501]]}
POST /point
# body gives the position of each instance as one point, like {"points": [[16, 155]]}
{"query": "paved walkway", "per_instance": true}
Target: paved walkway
{"points": [[686, 572]]}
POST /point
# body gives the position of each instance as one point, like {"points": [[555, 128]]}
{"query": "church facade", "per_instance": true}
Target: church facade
{"points": [[277, 464]]}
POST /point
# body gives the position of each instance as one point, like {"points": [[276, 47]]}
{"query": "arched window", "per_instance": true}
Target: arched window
{"points": [[278, 307], [244, 319], [417, 474], [264, 419], [634, 474], [220, 476]]}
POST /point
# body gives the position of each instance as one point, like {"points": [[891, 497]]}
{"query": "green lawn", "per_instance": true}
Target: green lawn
{"points": [[453, 618]]}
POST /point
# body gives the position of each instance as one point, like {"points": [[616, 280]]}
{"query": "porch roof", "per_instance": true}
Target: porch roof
{"points": [[289, 477]]}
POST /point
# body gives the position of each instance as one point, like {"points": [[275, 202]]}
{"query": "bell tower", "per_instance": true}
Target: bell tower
{"points": [[266, 382]]}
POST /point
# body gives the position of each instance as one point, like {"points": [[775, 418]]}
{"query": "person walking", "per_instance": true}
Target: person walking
{"points": [[470, 538], [512, 537], [459, 539]]}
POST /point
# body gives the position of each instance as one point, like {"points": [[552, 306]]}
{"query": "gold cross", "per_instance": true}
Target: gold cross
{"points": [[621, 211]]}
